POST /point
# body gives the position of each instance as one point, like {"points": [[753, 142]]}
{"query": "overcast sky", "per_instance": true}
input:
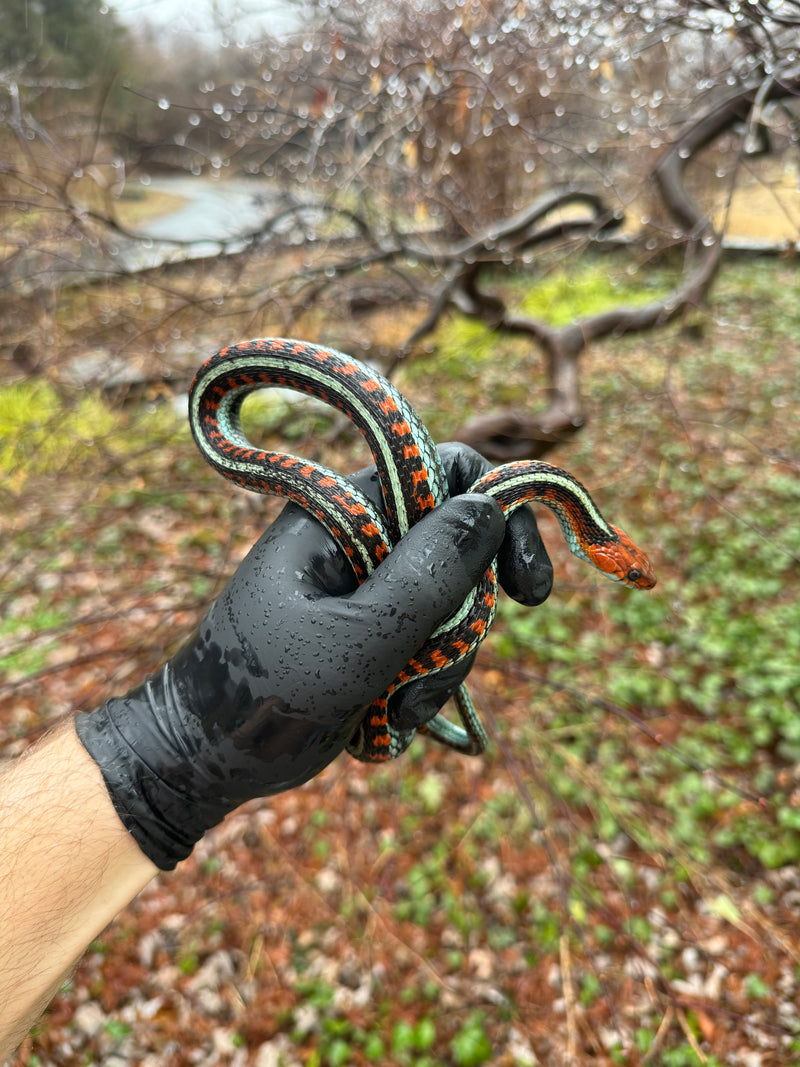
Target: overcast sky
{"points": [[243, 18]]}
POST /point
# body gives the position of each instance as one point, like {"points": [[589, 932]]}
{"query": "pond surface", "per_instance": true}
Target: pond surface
{"points": [[212, 217], [212, 210], [207, 217]]}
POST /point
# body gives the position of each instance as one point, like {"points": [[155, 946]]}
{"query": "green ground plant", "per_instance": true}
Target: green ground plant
{"points": [[641, 788]]}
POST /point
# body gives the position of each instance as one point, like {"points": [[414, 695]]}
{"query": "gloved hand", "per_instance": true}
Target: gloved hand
{"points": [[272, 684], [523, 568]]}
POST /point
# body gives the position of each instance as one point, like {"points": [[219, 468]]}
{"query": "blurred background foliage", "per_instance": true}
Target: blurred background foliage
{"points": [[566, 230]]}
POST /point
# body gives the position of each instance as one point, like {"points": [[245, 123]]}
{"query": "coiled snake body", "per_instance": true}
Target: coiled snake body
{"points": [[412, 482]]}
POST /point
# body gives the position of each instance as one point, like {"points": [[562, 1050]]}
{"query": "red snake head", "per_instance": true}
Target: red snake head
{"points": [[623, 561]]}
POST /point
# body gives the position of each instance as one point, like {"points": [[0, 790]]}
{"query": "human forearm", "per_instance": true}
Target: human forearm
{"points": [[68, 867]]}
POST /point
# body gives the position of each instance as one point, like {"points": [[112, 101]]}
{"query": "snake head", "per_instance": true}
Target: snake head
{"points": [[623, 561]]}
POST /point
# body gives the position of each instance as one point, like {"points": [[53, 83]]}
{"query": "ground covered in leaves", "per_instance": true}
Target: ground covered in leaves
{"points": [[616, 882]]}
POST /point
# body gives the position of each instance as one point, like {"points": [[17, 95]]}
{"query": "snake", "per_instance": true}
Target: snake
{"points": [[412, 481]]}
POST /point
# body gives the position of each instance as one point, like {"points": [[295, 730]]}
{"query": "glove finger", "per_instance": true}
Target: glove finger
{"points": [[427, 577], [462, 465], [523, 565], [417, 702]]}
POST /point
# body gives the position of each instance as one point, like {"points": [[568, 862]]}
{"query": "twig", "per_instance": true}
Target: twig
{"points": [[687, 1030], [569, 998], [661, 1033]]}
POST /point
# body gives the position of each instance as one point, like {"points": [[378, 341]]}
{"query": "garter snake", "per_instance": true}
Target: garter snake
{"points": [[412, 482]]}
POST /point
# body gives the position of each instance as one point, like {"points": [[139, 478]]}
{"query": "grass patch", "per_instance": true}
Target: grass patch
{"points": [[37, 435]]}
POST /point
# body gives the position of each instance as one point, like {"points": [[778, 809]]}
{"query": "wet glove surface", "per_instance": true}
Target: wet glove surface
{"points": [[523, 569], [272, 684]]}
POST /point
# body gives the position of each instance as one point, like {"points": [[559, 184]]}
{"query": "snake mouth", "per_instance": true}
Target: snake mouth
{"points": [[638, 579]]}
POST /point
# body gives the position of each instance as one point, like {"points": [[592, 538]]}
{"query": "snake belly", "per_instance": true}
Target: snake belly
{"points": [[412, 482]]}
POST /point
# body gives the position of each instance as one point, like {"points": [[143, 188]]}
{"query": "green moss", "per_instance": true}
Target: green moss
{"points": [[43, 432], [565, 296]]}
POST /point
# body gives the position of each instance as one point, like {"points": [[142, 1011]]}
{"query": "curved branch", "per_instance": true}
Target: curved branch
{"points": [[736, 106], [517, 233], [514, 435], [466, 259]]}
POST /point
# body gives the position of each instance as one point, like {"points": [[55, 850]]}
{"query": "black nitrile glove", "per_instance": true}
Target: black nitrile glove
{"points": [[272, 685]]}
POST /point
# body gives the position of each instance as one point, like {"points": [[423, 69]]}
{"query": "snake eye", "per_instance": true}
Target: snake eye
{"points": [[634, 575]]}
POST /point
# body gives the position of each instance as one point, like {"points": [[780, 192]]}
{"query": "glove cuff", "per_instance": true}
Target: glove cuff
{"points": [[126, 740]]}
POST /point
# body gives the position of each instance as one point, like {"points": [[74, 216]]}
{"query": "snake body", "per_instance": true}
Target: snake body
{"points": [[412, 482]]}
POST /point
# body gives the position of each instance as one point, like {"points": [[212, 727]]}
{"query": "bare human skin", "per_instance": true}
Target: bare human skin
{"points": [[68, 867]]}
